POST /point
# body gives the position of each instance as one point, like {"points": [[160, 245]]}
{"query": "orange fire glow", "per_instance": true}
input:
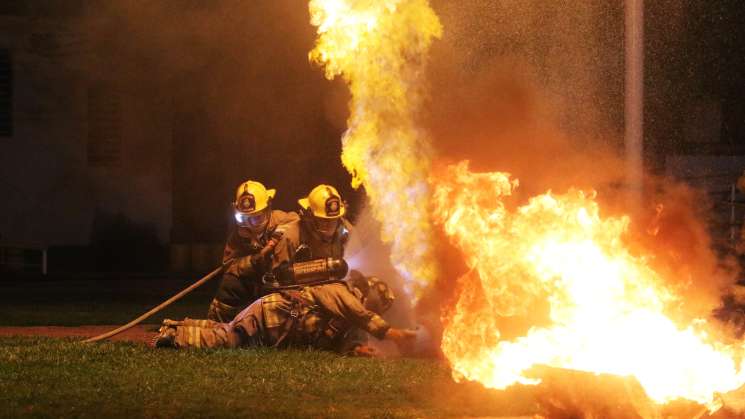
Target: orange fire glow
{"points": [[593, 304], [606, 307]]}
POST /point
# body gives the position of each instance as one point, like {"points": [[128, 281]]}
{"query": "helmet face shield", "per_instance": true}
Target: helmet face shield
{"points": [[255, 222]]}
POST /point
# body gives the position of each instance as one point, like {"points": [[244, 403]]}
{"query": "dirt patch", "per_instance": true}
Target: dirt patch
{"points": [[140, 333]]}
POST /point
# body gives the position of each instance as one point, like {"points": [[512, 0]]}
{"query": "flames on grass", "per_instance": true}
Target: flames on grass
{"points": [[605, 308]]}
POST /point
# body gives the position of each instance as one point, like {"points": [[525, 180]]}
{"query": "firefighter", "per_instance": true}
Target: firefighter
{"points": [[261, 239], [327, 317], [324, 232]]}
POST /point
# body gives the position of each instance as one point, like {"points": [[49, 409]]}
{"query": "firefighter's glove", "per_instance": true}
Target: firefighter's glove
{"points": [[260, 262], [273, 240], [255, 263]]}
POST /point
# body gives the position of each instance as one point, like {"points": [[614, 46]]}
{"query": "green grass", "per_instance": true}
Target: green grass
{"points": [[43, 377]]}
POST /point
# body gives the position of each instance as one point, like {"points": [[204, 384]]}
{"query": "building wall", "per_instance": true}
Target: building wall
{"points": [[52, 192]]}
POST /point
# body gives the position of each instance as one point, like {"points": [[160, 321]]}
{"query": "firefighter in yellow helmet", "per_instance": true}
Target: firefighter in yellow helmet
{"points": [[260, 240], [324, 232]]}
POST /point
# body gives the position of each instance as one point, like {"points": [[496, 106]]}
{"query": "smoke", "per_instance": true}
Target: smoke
{"points": [[528, 88], [536, 89], [682, 247], [367, 253]]}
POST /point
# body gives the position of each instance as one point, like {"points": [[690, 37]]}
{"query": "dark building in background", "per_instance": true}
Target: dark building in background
{"points": [[71, 176], [694, 80], [694, 106], [124, 131]]}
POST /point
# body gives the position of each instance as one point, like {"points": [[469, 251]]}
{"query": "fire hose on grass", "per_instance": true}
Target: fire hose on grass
{"points": [[263, 253], [297, 275], [161, 306]]}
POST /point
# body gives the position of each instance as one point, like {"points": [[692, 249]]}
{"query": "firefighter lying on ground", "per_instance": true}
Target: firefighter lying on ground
{"points": [[260, 241], [330, 316]]}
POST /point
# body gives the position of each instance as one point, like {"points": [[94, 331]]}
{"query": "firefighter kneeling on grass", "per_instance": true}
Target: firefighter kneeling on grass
{"points": [[261, 240], [328, 316]]}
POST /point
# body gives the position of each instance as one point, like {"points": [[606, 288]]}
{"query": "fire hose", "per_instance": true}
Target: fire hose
{"points": [[297, 275], [160, 307], [263, 253]]}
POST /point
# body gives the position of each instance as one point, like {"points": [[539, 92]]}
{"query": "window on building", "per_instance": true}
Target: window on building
{"points": [[6, 94], [104, 134]]}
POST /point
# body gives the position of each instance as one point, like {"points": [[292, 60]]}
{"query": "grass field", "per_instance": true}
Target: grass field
{"points": [[46, 377], [43, 377]]}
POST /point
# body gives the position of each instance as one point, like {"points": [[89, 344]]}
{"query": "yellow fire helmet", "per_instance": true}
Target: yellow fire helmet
{"points": [[324, 201], [252, 197]]}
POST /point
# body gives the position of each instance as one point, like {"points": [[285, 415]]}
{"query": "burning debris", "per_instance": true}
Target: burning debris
{"points": [[607, 310]]}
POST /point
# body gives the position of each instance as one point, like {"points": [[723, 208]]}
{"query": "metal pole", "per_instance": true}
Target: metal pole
{"points": [[732, 230], [634, 98]]}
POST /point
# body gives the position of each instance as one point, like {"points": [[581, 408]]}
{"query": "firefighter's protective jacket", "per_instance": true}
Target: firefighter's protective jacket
{"points": [[239, 245], [329, 317]]}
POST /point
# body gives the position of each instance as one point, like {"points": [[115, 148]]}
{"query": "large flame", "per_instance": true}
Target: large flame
{"points": [[606, 306], [379, 47], [605, 309]]}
